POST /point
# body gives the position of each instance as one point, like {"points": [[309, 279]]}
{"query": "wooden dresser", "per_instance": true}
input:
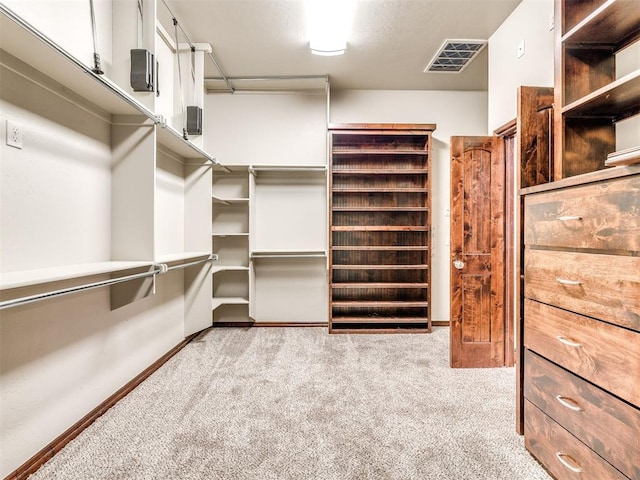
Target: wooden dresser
{"points": [[582, 325]]}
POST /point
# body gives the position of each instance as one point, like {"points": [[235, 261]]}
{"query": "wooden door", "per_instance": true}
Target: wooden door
{"points": [[477, 252]]}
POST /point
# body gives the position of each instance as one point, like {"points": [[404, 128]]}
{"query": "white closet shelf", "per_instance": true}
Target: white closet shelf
{"points": [[171, 138], [229, 268], [230, 234], [288, 170], [257, 254], [23, 41], [25, 278], [229, 201], [219, 301], [172, 258]]}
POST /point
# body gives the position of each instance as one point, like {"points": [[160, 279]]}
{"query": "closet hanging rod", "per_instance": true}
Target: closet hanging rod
{"points": [[51, 44], [211, 258], [80, 288]]}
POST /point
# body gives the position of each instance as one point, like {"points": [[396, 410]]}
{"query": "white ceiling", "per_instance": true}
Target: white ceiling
{"points": [[390, 44]]}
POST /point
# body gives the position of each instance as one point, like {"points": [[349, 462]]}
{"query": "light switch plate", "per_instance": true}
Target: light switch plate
{"points": [[521, 48]]}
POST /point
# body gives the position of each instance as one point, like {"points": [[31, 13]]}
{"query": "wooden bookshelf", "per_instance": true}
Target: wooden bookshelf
{"points": [[380, 228]]}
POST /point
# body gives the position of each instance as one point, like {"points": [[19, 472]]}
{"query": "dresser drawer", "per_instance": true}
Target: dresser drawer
{"points": [[562, 454], [602, 216], [602, 286], [604, 423], [603, 354]]}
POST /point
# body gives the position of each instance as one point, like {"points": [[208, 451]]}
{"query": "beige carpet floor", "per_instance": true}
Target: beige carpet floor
{"points": [[297, 403]]}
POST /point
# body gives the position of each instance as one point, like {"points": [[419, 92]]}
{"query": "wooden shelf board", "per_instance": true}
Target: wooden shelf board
{"points": [[618, 100], [613, 23], [380, 304], [379, 228], [380, 267], [380, 285], [391, 248], [375, 171], [379, 190], [168, 258], [377, 151], [380, 209], [25, 278], [379, 320], [219, 301]]}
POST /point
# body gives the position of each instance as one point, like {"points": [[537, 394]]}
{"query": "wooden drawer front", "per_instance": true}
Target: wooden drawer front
{"points": [[600, 216], [604, 354], [604, 423], [602, 286], [562, 454]]}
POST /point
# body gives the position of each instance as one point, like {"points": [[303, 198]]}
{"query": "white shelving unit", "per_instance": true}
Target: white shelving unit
{"points": [[231, 242], [288, 243], [157, 208]]}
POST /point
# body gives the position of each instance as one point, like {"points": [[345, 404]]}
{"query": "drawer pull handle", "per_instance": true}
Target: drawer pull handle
{"points": [[568, 403], [564, 281], [568, 218], [574, 468], [568, 342]]}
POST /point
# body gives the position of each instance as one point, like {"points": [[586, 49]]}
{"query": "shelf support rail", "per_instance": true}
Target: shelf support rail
{"points": [[80, 288]]}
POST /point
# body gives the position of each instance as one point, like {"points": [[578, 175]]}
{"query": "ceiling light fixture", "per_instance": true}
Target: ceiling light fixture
{"points": [[329, 22]]}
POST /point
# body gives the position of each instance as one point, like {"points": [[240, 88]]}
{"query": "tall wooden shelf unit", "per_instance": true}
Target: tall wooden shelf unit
{"points": [[380, 199], [581, 328]]}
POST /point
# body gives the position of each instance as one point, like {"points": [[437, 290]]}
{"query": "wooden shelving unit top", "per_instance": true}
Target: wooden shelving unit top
{"points": [[377, 151], [377, 171], [380, 304], [380, 209], [392, 248], [380, 267], [379, 228], [614, 23], [379, 285]]}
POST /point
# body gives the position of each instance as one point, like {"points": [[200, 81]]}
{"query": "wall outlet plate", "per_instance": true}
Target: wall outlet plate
{"points": [[14, 134]]}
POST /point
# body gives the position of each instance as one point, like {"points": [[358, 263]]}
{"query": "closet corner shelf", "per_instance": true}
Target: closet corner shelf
{"points": [[258, 254], [617, 100], [230, 234], [229, 268], [229, 201], [26, 278], [219, 301], [613, 23]]}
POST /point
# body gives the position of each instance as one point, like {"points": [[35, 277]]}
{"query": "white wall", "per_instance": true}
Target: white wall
{"points": [[530, 23], [266, 129], [454, 113]]}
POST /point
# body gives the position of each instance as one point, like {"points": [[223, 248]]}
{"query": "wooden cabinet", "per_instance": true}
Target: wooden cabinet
{"points": [[581, 324], [380, 227], [581, 327], [591, 95]]}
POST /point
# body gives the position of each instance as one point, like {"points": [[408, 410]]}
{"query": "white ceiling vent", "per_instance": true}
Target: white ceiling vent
{"points": [[454, 55]]}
